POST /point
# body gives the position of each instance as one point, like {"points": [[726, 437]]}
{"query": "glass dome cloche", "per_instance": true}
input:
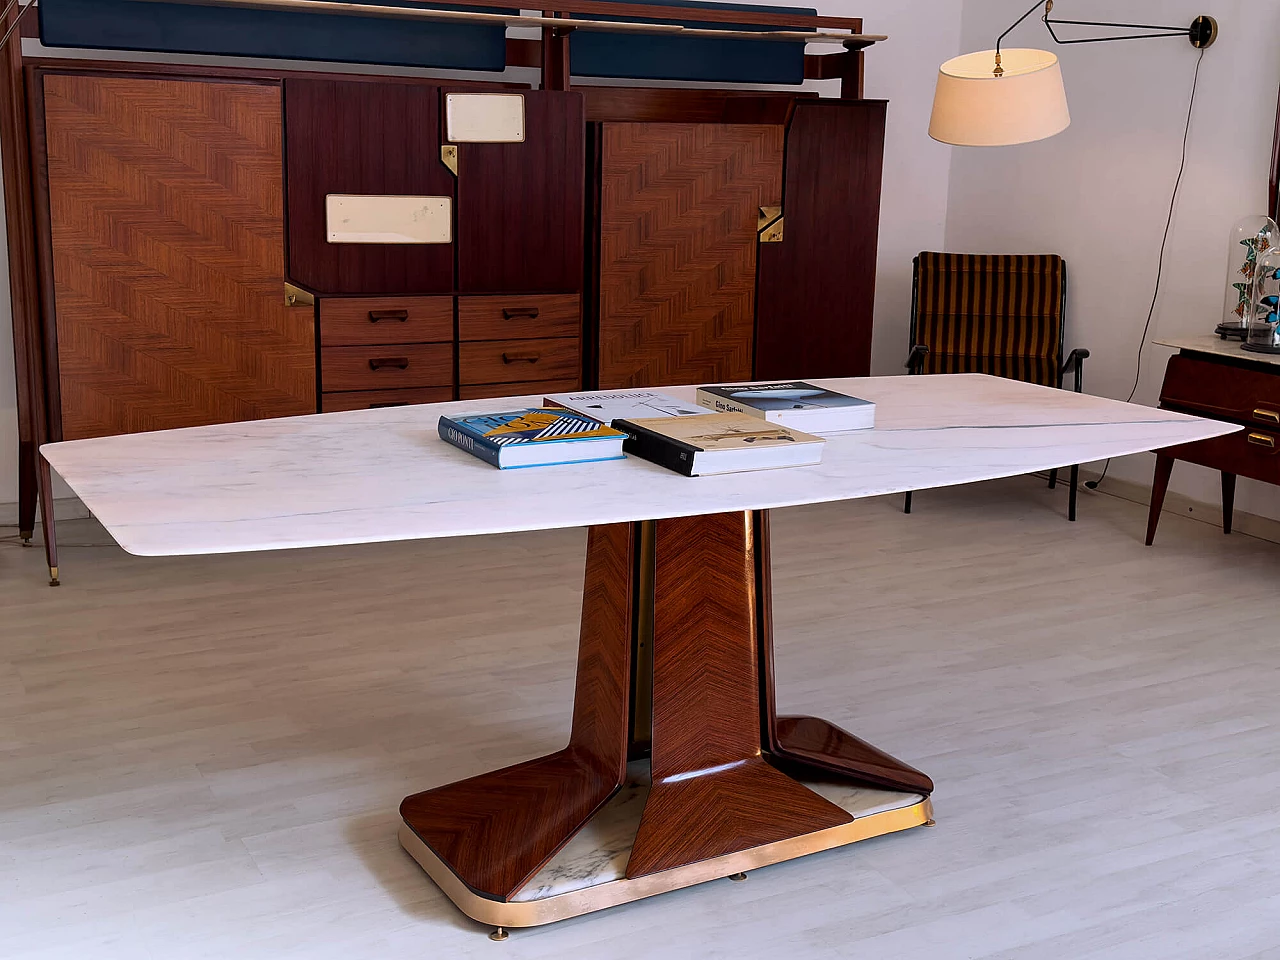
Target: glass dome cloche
{"points": [[1264, 325], [1251, 238]]}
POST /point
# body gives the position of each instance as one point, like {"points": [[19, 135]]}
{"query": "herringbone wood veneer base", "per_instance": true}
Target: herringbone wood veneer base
{"points": [[167, 216]]}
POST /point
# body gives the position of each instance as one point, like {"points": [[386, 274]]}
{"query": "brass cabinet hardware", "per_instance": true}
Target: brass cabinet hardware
{"points": [[449, 157], [1270, 416], [769, 224], [398, 363], [1262, 440], [297, 297], [376, 315], [521, 357]]}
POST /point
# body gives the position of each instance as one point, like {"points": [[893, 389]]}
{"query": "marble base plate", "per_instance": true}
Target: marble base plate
{"points": [[589, 872]]}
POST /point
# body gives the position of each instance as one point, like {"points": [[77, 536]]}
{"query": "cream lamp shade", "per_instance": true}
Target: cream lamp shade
{"points": [[972, 107]]}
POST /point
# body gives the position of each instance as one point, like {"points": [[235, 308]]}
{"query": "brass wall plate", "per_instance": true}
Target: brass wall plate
{"points": [[449, 157], [297, 297], [382, 219], [484, 117]]}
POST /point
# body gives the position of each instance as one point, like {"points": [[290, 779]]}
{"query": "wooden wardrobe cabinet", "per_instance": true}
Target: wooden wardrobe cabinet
{"points": [[164, 251]]}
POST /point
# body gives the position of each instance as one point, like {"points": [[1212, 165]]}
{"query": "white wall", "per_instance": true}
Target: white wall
{"points": [[914, 204], [1099, 192]]}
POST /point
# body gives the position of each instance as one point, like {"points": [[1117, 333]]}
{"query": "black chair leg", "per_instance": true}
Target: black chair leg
{"points": [[906, 504], [1053, 479], [1071, 501]]}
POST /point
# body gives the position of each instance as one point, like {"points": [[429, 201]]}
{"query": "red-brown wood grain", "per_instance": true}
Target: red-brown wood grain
{"points": [[713, 791], [167, 234], [817, 287], [520, 205], [363, 138], [679, 211], [498, 829]]}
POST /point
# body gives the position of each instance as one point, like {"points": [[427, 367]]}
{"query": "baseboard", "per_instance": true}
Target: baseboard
{"points": [[1250, 524], [64, 508]]}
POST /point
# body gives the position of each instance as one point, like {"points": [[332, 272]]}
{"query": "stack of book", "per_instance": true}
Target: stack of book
{"points": [[731, 429]]}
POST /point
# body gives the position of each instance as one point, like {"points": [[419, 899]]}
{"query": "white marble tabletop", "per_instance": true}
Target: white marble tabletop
{"points": [[1209, 343], [367, 476]]}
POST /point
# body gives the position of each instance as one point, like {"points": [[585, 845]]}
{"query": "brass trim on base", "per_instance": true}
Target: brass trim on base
{"points": [[532, 913]]}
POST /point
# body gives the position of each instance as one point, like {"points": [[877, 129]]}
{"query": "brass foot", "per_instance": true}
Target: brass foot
{"points": [[930, 823], [53, 577], [499, 934], [25, 536], [737, 877]]}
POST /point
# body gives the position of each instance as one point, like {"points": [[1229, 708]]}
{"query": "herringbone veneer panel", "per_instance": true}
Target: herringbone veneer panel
{"points": [[166, 204], [713, 791], [679, 208]]}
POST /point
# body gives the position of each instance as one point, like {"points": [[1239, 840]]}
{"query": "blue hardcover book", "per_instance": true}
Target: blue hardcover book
{"points": [[533, 438], [792, 403]]}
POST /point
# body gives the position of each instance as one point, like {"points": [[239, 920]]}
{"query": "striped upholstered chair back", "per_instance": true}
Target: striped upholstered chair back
{"points": [[1001, 315]]}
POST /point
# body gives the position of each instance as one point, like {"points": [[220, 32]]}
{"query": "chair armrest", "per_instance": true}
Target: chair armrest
{"points": [[915, 361], [1075, 360]]}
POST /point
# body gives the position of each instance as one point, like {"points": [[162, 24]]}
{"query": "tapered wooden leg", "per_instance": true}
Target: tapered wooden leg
{"points": [[713, 791], [1159, 486], [807, 743], [1072, 493], [28, 488], [497, 830], [1053, 479], [47, 520], [906, 503], [1228, 500]]}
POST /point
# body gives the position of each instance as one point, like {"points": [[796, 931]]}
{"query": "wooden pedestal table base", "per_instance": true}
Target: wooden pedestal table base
{"points": [[675, 665]]}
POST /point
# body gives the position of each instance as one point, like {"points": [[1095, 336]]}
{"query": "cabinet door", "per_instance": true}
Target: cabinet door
{"points": [[520, 227], [823, 273], [363, 138], [167, 225], [679, 210]]}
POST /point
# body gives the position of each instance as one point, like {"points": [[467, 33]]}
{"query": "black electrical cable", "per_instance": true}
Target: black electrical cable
{"points": [[1155, 296]]}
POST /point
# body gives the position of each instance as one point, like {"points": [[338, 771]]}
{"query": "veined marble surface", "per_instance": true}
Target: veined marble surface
{"points": [[366, 476], [1216, 345], [598, 852]]}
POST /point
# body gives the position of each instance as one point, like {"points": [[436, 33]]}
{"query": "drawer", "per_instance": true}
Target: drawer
{"points": [[538, 389], [519, 361], [386, 366], [519, 318], [386, 320], [1222, 391], [1252, 453], [370, 399]]}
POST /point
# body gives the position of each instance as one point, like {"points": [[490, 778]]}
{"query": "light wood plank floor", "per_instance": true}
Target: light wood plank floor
{"points": [[203, 757]]}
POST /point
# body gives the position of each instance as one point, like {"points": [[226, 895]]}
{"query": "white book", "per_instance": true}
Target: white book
{"points": [[609, 405], [792, 403]]}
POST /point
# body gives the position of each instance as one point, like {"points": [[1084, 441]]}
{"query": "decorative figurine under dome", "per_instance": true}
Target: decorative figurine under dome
{"points": [[1264, 327], [1251, 238]]}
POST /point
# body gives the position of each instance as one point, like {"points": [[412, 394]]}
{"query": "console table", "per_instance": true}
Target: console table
{"points": [[678, 768], [1212, 377]]}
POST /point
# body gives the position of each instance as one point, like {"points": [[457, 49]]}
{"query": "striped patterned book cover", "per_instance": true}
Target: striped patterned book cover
{"points": [[533, 437]]}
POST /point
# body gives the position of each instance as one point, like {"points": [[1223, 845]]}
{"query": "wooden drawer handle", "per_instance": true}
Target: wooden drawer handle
{"points": [[1271, 416], [519, 313], [376, 315], [1262, 440], [521, 357], [399, 363]]}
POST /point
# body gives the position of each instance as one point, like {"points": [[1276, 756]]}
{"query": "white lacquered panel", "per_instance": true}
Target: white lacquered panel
{"points": [[367, 476], [484, 117], [382, 219]]}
